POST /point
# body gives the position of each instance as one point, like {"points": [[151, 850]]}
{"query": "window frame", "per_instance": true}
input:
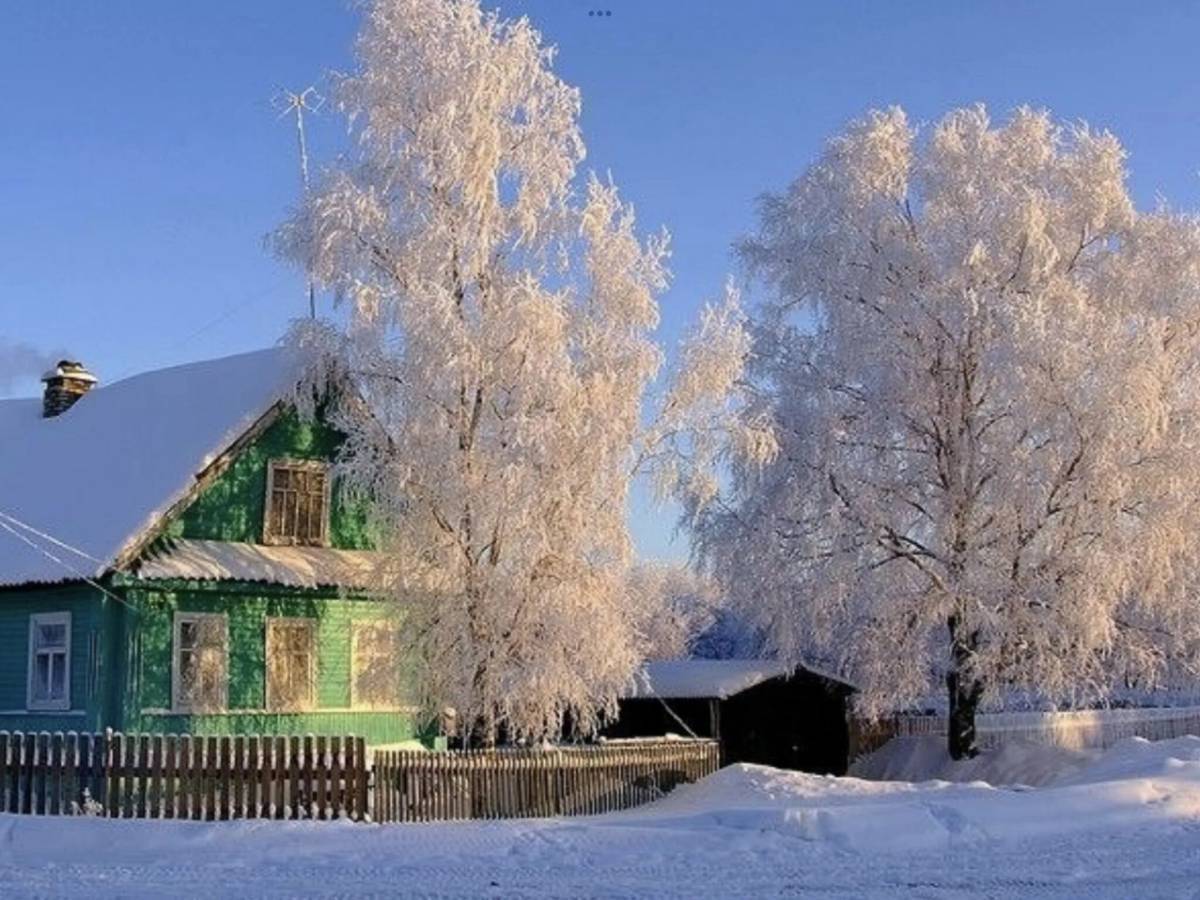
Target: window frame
{"points": [[356, 702], [271, 539], [310, 624], [178, 703], [36, 620]]}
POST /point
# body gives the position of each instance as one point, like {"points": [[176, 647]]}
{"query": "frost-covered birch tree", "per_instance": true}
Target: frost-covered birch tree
{"points": [[980, 362], [672, 606], [497, 320]]}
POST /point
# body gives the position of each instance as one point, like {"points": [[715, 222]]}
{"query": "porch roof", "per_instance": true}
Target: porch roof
{"points": [[300, 567]]}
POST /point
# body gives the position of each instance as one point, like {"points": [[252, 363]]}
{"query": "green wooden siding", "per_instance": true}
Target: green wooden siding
{"points": [[148, 699], [232, 507], [92, 693], [121, 656]]}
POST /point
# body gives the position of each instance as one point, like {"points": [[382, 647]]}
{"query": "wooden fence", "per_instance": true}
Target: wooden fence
{"points": [[414, 786], [1076, 729], [183, 777]]}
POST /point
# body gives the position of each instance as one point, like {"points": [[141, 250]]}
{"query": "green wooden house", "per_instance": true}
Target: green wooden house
{"points": [[175, 556]]}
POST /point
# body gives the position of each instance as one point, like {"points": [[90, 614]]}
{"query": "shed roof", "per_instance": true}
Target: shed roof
{"points": [[100, 475], [682, 679], [690, 678], [302, 567]]}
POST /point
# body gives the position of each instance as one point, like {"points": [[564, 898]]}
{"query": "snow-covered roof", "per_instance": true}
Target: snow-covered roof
{"points": [[721, 678], [99, 475], [303, 567], [682, 678]]}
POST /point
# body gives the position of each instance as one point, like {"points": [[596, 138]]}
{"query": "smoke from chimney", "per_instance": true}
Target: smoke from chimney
{"points": [[19, 361]]}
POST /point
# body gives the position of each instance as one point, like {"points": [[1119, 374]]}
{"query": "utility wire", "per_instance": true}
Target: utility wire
{"points": [[84, 578], [13, 520]]}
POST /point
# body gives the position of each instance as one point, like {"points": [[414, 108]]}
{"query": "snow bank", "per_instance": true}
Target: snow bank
{"points": [[1126, 823], [1136, 783], [926, 758]]}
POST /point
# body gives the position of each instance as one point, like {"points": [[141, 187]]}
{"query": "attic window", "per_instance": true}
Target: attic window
{"points": [[297, 503]]}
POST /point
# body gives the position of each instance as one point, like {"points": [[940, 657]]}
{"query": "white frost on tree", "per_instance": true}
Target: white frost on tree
{"points": [[980, 362], [672, 607], [497, 325]]}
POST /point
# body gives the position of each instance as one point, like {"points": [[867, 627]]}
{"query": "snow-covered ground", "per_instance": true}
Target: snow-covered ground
{"points": [[1125, 823]]}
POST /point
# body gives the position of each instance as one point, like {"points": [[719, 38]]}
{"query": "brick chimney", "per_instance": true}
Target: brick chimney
{"points": [[65, 383]]}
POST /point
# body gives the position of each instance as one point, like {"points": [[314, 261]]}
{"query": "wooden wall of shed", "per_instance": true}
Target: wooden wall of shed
{"points": [[792, 723]]}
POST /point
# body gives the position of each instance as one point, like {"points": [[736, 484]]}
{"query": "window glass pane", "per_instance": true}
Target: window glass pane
{"points": [[376, 669], [58, 676], [41, 677], [297, 504], [201, 661], [290, 666], [49, 636]]}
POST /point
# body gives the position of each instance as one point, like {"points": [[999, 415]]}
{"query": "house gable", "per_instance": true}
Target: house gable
{"points": [[232, 506]]}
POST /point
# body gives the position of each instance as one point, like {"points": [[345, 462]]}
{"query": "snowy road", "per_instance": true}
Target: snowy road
{"points": [[1129, 826]]}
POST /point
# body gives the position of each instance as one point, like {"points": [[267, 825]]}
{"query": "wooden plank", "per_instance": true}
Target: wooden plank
{"points": [[130, 777], [194, 746], [252, 770], [191, 785], [241, 773], [337, 776], [294, 801], [383, 784], [98, 756], [142, 779], [112, 782], [170, 785], [71, 772], [310, 777], [283, 777], [153, 760], [41, 749], [7, 794], [224, 780], [321, 780], [361, 775], [58, 774], [212, 757]]}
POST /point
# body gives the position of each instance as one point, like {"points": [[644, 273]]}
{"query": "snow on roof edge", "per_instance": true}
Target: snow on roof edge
{"points": [[148, 437], [680, 679]]}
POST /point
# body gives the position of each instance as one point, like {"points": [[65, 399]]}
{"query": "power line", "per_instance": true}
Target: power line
{"points": [[84, 578], [49, 537], [229, 311]]}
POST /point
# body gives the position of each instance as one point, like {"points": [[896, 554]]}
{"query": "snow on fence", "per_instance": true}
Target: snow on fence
{"points": [[183, 777], [1076, 729], [510, 783]]}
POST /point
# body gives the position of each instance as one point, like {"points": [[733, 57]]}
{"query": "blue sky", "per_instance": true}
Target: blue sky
{"points": [[141, 164]]}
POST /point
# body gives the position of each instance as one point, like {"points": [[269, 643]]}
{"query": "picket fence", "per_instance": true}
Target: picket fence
{"points": [[183, 777], [415, 786], [318, 777]]}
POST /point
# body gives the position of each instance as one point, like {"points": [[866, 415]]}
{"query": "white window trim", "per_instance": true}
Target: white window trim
{"points": [[179, 704], [313, 465], [54, 618], [272, 705], [355, 702]]}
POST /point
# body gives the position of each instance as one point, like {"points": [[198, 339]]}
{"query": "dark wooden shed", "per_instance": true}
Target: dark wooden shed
{"points": [[761, 711]]}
